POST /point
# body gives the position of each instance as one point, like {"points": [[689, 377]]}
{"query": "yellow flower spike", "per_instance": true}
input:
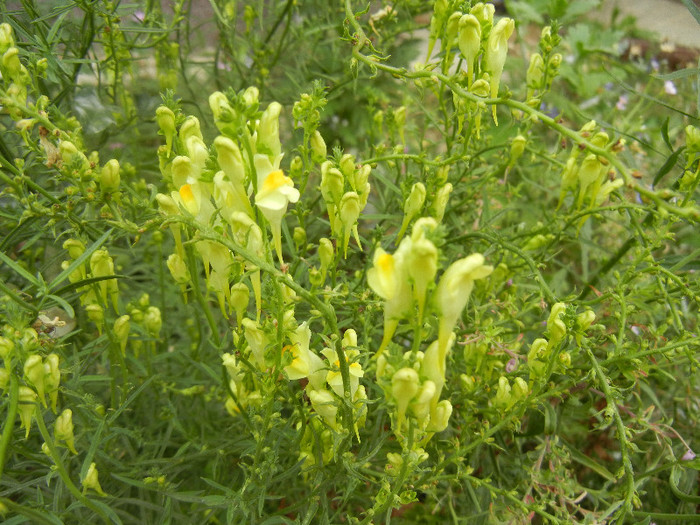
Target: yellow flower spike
{"points": [[495, 55], [27, 406], [63, 430], [275, 192], [453, 291]]}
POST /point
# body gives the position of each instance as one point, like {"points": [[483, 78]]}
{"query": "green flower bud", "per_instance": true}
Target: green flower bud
{"points": [[153, 321], [167, 205], [52, 379], [165, 118], [91, 481], [102, 265], [585, 319], [296, 168], [268, 141], [503, 399], [240, 297], [535, 74], [404, 386], [70, 155], [325, 253], [6, 38], [347, 166], [75, 248], [27, 406], [96, 314], [178, 269], [251, 97], [6, 347], [121, 330], [34, 374], [63, 431], [349, 212], [440, 417], [692, 139], [483, 12], [520, 388], [323, 403], [442, 197], [412, 206], [299, 236], [332, 184], [190, 128], [400, 121], [109, 177], [360, 177], [555, 324], [318, 147], [537, 357], [225, 117], [565, 359], [469, 42], [517, 147]]}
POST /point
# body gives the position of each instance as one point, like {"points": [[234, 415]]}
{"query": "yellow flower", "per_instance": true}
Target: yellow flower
{"points": [[334, 378], [305, 362], [453, 292], [495, 55], [389, 280], [275, 192]]}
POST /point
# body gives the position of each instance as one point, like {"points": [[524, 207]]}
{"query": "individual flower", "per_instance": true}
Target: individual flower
{"points": [[453, 292], [388, 278], [334, 377], [63, 430], [469, 41], [305, 363], [495, 55], [91, 481], [275, 192]]}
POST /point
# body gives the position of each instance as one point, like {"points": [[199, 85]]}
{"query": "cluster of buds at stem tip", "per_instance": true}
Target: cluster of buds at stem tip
{"points": [[45, 376], [345, 189]]}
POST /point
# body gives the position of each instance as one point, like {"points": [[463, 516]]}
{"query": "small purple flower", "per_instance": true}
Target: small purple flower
{"points": [[688, 456], [511, 365], [621, 104], [670, 88], [139, 15]]}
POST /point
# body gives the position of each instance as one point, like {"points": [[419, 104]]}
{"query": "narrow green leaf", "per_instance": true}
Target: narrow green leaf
{"points": [[668, 165], [681, 73], [694, 10], [19, 270]]}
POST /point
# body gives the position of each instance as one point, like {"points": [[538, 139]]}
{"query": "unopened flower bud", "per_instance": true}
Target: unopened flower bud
{"points": [[240, 297], [190, 128], [332, 186], [34, 374], [27, 406], [91, 481], [251, 97], [52, 378], [404, 386], [96, 314], [440, 417], [6, 38], [520, 389], [6, 347], [153, 321], [349, 212], [517, 147], [121, 331], [318, 147], [412, 206], [165, 118], [585, 319], [555, 324], [347, 166], [296, 168], [63, 430], [442, 197], [178, 269], [469, 42], [325, 253], [74, 247], [268, 141], [299, 237]]}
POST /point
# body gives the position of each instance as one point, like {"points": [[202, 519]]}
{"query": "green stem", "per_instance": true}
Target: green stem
{"points": [[61, 469], [9, 422]]}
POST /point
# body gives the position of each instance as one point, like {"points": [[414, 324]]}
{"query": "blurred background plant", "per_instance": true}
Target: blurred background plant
{"points": [[140, 386]]}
